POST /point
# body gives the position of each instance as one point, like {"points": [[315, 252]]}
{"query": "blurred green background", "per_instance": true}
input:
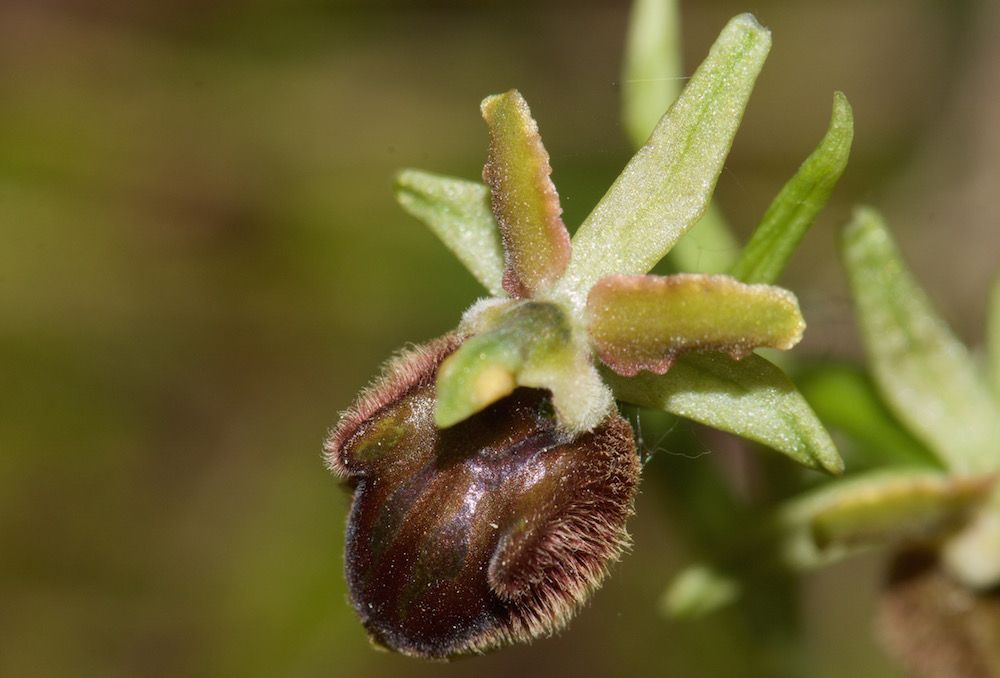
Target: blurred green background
{"points": [[201, 262]]}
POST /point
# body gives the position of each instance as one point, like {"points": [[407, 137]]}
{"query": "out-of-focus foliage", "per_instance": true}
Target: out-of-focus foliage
{"points": [[926, 375], [845, 399]]}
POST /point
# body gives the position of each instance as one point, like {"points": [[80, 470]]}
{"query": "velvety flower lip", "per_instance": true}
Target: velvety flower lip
{"points": [[410, 369], [492, 531]]}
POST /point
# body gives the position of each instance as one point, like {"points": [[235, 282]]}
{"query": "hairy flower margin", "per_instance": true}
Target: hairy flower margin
{"points": [[492, 474]]}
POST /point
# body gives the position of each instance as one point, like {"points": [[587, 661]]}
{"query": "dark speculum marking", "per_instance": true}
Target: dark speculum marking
{"points": [[490, 532]]}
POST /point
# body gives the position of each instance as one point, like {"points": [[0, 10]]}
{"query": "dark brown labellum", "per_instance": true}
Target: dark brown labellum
{"points": [[493, 531]]}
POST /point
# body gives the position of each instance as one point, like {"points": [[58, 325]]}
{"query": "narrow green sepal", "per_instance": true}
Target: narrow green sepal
{"points": [[750, 398], [800, 201], [458, 212], [667, 185]]}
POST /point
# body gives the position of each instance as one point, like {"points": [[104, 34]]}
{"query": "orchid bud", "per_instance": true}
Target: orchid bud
{"points": [[492, 531], [933, 625]]}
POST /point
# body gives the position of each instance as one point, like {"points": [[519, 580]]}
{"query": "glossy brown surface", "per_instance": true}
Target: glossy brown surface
{"points": [[492, 531]]}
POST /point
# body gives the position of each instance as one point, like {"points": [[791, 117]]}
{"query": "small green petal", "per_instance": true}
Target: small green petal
{"points": [[532, 345], [750, 398], [458, 213], [667, 185], [877, 508], [525, 202], [643, 322], [799, 203], [652, 74], [925, 374], [651, 80]]}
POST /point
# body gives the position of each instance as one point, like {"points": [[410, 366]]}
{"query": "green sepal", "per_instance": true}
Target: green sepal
{"points": [[800, 201], [651, 77], [458, 212], [667, 185], [750, 398]]}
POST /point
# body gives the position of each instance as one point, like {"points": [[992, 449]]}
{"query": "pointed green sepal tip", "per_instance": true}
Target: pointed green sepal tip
{"points": [[795, 208], [457, 212], [666, 186]]}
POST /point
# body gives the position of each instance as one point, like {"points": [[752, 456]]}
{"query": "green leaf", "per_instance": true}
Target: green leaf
{"points": [[697, 592], [644, 322], [925, 374], [458, 213], [529, 344], [651, 77], [875, 509], [525, 202], [799, 203], [708, 247], [845, 398], [751, 398], [993, 335], [666, 186]]}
